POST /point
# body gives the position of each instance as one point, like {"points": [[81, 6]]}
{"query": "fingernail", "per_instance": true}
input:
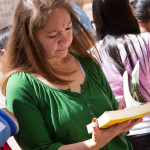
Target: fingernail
{"points": [[94, 120], [141, 119]]}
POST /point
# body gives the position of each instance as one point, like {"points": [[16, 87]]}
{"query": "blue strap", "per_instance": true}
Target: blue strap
{"points": [[13, 125], [5, 131]]}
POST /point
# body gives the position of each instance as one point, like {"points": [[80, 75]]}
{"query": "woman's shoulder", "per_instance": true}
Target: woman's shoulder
{"points": [[19, 79], [139, 37], [19, 75], [22, 88], [144, 35], [139, 42], [99, 44], [18, 84]]}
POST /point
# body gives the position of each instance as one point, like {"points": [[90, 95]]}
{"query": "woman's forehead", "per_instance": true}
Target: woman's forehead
{"points": [[58, 18]]}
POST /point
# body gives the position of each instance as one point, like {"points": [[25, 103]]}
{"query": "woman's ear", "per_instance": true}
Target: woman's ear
{"points": [[132, 9], [142, 26], [141, 23], [2, 53]]}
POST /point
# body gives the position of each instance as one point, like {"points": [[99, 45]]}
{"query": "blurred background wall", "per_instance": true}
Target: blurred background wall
{"points": [[6, 12], [7, 8]]}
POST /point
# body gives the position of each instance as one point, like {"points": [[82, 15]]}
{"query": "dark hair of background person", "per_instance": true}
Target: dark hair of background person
{"points": [[109, 22], [4, 34], [114, 18], [141, 10]]}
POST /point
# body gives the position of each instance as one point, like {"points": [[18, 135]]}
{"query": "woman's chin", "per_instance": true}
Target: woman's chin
{"points": [[62, 53]]}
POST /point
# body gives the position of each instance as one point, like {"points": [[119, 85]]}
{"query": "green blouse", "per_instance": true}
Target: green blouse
{"points": [[49, 117]]}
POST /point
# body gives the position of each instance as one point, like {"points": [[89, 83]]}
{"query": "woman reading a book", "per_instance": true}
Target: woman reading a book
{"points": [[121, 45], [54, 86]]}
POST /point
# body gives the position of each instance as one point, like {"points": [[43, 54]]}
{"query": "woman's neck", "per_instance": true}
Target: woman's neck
{"points": [[58, 63]]}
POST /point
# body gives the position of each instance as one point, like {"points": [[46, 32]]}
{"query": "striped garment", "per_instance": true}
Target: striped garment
{"points": [[139, 48]]}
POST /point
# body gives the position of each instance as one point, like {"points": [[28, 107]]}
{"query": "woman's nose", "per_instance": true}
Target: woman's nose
{"points": [[63, 38]]}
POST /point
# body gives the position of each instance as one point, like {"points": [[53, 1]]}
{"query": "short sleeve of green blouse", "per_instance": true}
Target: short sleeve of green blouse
{"points": [[20, 101]]}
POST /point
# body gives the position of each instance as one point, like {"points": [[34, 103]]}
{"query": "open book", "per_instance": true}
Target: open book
{"points": [[137, 106]]}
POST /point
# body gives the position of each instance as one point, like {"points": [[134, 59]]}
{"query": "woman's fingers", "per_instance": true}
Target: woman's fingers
{"points": [[113, 131], [126, 126], [122, 104], [94, 124], [133, 123], [117, 129]]}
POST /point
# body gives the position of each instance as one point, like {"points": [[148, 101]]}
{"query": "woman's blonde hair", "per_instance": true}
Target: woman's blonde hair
{"points": [[24, 53]]}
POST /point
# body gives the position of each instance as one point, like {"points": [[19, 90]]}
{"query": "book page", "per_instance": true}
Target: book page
{"points": [[132, 94]]}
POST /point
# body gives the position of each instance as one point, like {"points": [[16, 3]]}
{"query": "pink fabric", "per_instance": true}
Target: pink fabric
{"points": [[114, 78]]}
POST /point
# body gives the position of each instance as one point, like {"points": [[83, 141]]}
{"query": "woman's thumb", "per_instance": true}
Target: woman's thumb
{"points": [[94, 124]]}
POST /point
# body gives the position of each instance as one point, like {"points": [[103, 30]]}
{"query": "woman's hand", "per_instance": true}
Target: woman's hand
{"points": [[101, 137], [122, 104]]}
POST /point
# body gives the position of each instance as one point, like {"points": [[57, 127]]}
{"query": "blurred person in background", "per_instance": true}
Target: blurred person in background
{"points": [[142, 13], [83, 17], [120, 46], [7, 119], [80, 3]]}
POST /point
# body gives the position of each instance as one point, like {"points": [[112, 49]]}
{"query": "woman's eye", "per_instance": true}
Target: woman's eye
{"points": [[68, 28], [51, 37]]}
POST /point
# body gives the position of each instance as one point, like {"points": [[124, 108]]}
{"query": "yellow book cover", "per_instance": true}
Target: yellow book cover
{"points": [[110, 118], [136, 105]]}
